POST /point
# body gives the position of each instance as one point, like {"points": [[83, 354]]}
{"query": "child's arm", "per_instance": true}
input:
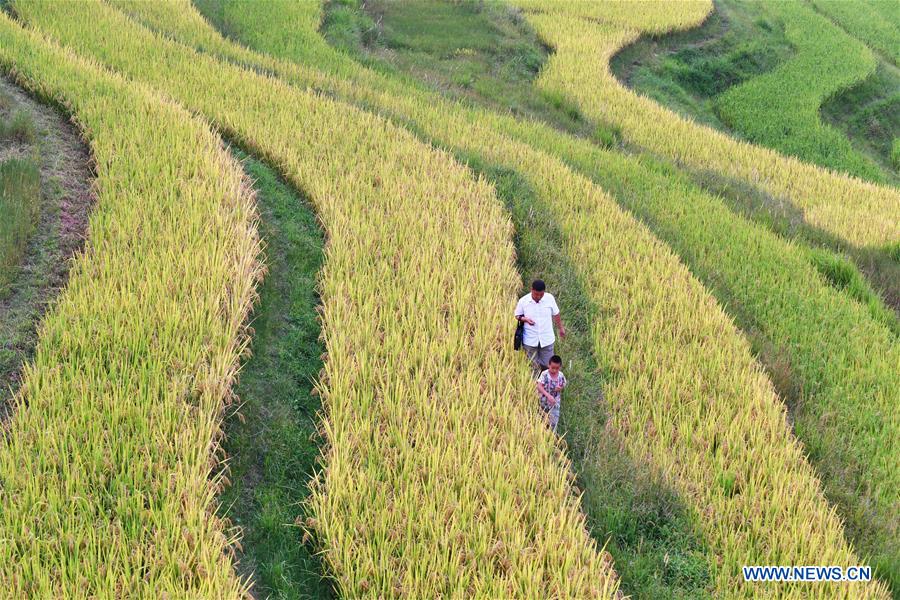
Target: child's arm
{"points": [[545, 393]]}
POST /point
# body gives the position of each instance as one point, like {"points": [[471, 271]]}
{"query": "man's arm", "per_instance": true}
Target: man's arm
{"points": [[557, 318], [520, 314]]}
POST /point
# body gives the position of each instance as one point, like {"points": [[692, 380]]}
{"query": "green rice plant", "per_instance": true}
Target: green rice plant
{"points": [[861, 213], [105, 487], [780, 109], [20, 193], [438, 478], [565, 190], [875, 22]]}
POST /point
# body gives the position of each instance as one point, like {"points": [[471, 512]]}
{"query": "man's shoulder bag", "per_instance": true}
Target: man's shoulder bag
{"points": [[519, 336]]}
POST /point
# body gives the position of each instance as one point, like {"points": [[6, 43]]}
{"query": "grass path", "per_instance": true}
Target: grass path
{"points": [[272, 441]]}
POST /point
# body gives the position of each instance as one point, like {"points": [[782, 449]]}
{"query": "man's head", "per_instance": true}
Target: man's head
{"points": [[537, 290], [555, 364]]}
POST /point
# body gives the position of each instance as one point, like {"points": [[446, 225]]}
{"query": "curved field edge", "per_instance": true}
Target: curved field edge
{"points": [[861, 213], [104, 470], [429, 412], [549, 180], [780, 109]]}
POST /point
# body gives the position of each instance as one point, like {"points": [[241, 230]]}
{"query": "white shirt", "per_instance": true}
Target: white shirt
{"points": [[542, 313]]}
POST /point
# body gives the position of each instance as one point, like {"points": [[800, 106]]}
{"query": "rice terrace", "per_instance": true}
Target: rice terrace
{"points": [[450, 298]]}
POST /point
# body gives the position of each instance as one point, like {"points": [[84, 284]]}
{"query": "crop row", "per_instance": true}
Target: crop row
{"points": [[567, 192], [105, 485], [840, 368], [438, 478], [864, 214], [780, 109]]}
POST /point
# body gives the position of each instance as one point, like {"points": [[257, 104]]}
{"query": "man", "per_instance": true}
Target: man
{"points": [[538, 310]]}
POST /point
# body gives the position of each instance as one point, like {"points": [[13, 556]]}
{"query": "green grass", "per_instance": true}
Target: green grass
{"points": [[272, 441], [19, 128], [20, 192], [869, 115], [875, 22], [646, 527]]}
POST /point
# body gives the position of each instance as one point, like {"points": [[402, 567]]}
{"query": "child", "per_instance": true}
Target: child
{"points": [[550, 385]]}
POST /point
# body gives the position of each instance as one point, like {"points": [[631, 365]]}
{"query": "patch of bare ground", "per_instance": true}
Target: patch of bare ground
{"points": [[66, 200]]}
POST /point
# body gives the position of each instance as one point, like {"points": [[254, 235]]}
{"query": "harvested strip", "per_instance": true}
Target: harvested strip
{"points": [[864, 214], [65, 201], [553, 183], [104, 469], [439, 479]]}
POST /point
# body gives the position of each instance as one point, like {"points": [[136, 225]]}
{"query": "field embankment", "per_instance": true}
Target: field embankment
{"points": [[104, 467], [551, 181]]}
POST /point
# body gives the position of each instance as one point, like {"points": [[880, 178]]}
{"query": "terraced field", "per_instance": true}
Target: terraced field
{"points": [[780, 109], [750, 374]]}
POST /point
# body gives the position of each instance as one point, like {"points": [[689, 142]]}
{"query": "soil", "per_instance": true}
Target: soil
{"points": [[67, 197]]}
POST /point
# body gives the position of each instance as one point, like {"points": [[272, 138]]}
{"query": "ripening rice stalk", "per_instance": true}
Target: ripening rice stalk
{"points": [[472, 131], [439, 480], [105, 487]]}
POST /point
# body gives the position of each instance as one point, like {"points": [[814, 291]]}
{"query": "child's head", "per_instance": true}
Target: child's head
{"points": [[555, 364]]}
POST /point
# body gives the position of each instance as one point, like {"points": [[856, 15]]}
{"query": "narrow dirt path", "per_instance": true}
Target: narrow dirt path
{"points": [[66, 201]]}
